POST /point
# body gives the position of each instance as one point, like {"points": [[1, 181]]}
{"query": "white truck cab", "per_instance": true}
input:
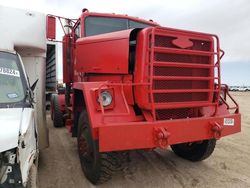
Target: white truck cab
{"points": [[18, 128]]}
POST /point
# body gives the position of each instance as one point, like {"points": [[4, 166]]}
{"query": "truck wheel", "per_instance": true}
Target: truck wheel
{"points": [[56, 113], [51, 106], [97, 167], [195, 151]]}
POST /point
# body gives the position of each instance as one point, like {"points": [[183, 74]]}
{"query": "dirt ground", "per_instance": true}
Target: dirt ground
{"points": [[229, 166]]}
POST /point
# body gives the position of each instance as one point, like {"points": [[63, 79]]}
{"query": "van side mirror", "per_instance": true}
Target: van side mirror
{"points": [[34, 85], [51, 27]]}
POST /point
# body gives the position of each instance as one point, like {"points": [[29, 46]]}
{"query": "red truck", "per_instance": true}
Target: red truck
{"points": [[132, 84]]}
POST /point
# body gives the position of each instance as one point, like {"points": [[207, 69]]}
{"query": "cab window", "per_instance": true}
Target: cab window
{"points": [[95, 25], [77, 31]]}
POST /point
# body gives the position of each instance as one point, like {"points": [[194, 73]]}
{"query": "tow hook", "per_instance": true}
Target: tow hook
{"points": [[161, 136], [217, 129]]}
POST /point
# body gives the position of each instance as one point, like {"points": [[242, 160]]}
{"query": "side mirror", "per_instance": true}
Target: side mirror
{"points": [[34, 85], [51, 27]]}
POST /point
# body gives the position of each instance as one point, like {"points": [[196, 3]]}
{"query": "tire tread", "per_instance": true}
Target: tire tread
{"points": [[58, 115], [198, 154]]}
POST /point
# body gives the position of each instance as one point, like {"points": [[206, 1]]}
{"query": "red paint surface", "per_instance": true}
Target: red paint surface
{"points": [[106, 53], [173, 84], [51, 27], [140, 135]]}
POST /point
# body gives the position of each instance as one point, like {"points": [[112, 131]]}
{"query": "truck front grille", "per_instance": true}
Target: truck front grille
{"points": [[182, 78]]}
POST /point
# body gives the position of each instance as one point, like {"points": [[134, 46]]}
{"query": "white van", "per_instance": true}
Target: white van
{"points": [[18, 130]]}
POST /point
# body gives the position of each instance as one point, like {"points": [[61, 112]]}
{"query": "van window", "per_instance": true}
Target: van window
{"points": [[12, 88]]}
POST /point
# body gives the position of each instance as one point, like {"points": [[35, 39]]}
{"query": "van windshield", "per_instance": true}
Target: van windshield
{"points": [[11, 84], [95, 25]]}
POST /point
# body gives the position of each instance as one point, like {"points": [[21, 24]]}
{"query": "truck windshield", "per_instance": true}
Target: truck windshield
{"points": [[12, 88], [98, 25]]}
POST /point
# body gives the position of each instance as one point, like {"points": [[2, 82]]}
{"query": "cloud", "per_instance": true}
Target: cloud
{"points": [[230, 20]]}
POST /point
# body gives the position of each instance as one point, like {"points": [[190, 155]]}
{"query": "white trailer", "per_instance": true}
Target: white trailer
{"points": [[22, 111]]}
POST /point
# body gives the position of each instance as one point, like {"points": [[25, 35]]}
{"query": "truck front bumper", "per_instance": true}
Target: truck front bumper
{"points": [[149, 135]]}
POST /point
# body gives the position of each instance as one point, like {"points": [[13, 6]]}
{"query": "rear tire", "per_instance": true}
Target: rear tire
{"points": [[195, 151], [97, 167], [56, 113]]}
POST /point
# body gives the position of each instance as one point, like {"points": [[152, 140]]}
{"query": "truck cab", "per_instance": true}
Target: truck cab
{"points": [[18, 130], [132, 84]]}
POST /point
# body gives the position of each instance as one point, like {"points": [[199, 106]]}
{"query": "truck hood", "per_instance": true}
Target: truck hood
{"points": [[107, 48], [13, 122]]}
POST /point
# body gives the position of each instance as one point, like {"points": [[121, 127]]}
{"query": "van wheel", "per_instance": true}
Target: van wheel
{"points": [[195, 151], [97, 167], [56, 113]]}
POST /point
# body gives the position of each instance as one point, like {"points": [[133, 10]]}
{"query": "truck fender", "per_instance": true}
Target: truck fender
{"points": [[86, 97]]}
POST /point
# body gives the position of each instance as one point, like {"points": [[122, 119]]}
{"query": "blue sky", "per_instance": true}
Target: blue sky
{"points": [[236, 73], [230, 20]]}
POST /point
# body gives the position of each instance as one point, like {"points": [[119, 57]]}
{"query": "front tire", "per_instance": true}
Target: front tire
{"points": [[97, 167], [195, 151]]}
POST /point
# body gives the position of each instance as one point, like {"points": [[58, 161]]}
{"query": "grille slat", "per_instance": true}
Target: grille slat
{"points": [[182, 65]]}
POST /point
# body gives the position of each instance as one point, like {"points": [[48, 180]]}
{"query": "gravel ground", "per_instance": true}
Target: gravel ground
{"points": [[229, 166]]}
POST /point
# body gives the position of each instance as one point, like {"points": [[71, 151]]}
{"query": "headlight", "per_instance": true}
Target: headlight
{"points": [[106, 98]]}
